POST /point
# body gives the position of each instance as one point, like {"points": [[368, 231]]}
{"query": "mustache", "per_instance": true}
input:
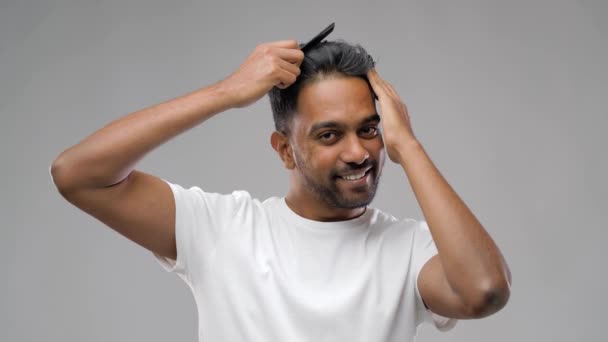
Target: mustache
{"points": [[352, 167]]}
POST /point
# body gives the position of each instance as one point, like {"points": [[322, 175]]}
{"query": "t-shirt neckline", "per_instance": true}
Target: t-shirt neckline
{"points": [[293, 217]]}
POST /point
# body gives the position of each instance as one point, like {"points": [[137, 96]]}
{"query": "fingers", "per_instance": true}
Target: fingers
{"points": [[289, 67], [287, 74], [380, 86], [377, 83], [288, 50], [289, 63], [285, 79], [385, 91], [294, 56], [288, 44], [284, 49], [374, 81]]}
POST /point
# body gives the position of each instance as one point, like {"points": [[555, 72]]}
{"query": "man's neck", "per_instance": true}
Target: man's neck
{"points": [[313, 209]]}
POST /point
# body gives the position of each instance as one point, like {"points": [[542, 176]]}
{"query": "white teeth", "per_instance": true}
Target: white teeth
{"points": [[354, 177]]}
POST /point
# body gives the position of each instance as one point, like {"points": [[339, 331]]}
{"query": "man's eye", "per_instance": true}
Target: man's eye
{"points": [[370, 131], [327, 136]]}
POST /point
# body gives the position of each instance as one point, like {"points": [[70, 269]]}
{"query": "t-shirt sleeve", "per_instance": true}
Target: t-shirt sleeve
{"points": [[424, 250], [200, 220]]}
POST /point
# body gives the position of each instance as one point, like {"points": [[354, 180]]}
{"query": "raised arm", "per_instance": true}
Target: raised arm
{"points": [[98, 174], [469, 277]]}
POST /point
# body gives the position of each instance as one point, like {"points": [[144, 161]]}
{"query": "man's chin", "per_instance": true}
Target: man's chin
{"points": [[355, 201], [355, 197]]}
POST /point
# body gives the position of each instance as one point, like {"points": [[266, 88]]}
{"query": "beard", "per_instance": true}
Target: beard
{"points": [[327, 190]]}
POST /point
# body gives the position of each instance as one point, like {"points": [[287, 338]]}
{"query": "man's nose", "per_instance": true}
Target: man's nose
{"points": [[354, 151]]}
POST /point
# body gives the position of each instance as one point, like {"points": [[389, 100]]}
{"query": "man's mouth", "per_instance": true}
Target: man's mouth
{"points": [[355, 176]]}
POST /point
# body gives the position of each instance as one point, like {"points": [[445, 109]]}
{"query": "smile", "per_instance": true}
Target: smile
{"points": [[355, 176]]}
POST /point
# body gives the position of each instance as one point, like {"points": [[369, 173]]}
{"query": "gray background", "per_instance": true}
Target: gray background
{"points": [[508, 97]]}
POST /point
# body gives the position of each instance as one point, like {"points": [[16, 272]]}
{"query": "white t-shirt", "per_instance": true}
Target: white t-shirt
{"points": [[260, 272]]}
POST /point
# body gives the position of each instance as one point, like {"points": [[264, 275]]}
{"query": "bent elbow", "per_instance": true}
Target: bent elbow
{"points": [[60, 176], [489, 301], [57, 171]]}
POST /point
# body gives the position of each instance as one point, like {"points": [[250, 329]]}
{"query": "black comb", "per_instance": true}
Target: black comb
{"points": [[318, 38]]}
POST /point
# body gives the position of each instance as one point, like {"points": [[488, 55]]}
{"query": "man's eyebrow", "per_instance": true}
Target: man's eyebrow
{"points": [[324, 124], [371, 118], [334, 124]]}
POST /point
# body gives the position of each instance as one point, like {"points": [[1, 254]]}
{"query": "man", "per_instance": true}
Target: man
{"points": [[319, 264]]}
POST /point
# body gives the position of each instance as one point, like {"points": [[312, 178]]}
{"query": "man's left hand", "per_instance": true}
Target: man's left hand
{"points": [[396, 127]]}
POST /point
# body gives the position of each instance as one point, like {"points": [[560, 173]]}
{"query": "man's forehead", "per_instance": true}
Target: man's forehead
{"points": [[344, 100]]}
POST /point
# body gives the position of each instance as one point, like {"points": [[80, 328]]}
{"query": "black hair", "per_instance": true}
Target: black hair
{"points": [[329, 58]]}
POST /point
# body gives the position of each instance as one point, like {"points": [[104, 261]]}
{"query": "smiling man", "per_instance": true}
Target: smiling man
{"points": [[319, 264], [336, 148]]}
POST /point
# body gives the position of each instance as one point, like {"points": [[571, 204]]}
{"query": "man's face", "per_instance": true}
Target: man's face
{"points": [[336, 142]]}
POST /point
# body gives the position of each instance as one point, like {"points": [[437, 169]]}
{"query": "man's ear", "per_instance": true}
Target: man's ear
{"points": [[280, 143]]}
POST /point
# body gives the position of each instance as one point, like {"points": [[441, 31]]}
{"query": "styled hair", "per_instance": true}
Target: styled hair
{"points": [[328, 59]]}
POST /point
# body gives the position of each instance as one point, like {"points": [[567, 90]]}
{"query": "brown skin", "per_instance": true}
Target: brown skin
{"points": [[330, 150], [97, 175], [469, 277]]}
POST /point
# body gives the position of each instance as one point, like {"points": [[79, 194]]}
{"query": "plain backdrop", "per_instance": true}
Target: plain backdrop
{"points": [[508, 98]]}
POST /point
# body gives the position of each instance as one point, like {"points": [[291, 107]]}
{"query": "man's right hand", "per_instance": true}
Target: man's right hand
{"points": [[269, 65], [97, 175]]}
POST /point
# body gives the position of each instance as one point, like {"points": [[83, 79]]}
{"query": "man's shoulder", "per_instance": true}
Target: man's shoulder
{"points": [[198, 198]]}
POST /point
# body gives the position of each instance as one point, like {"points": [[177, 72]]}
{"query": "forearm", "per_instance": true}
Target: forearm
{"points": [[471, 260], [108, 156]]}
